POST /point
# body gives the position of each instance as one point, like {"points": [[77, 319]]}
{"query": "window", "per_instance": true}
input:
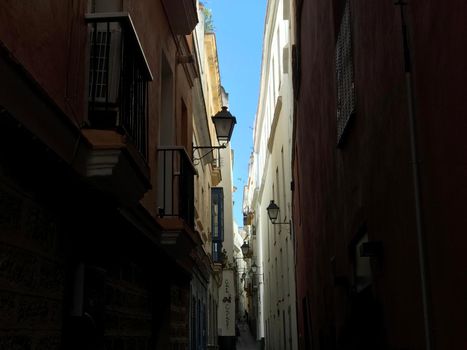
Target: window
{"points": [[281, 265], [104, 78], [268, 241], [118, 78], [167, 125], [185, 141], [217, 222], [286, 10], [105, 62], [284, 200], [278, 53], [277, 279], [362, 266], [217, 251], [278, 193], [273, 70], [275, 198], [344, 75], [217, 213], [285, 59]]}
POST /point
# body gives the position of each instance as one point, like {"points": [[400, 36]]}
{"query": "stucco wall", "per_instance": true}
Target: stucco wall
{"points": [[32, 272], [368, 181], [48, 39]]}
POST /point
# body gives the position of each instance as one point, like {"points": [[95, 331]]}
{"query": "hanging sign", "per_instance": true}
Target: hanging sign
{"points": [[226, 310]]}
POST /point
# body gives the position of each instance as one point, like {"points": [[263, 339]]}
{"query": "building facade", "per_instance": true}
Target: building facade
{"points": [[213, 180], [379, 174], [269, 180], [104, 231]]}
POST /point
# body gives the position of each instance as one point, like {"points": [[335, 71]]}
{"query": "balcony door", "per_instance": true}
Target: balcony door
{"points": [[166, 198], [217, 222], [167, 122]]}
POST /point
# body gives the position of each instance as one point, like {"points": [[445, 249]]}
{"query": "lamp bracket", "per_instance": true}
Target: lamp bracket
{"points": [[282, 223], [209, 147], [196, 161]]}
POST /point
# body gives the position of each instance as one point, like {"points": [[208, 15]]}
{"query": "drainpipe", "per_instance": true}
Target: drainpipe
{"points": [[416, 181]]}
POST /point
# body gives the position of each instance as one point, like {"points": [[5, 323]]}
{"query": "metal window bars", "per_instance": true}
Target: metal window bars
{"points": [[118, 79], [344, 74]]}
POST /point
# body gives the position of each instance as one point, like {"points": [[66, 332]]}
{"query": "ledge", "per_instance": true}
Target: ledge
{"points": [[114, 166], [182, 15]]}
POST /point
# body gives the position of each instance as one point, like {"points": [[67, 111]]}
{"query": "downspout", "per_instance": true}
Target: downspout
{"points": [[421, 242]]}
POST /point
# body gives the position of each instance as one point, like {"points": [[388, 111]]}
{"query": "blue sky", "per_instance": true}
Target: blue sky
{"points": [[239, 26]]}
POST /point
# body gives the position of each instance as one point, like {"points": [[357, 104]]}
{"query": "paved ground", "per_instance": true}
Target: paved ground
{"points": [[246, 341]]}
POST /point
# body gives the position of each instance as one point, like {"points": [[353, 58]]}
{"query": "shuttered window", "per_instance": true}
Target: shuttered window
{"points": [[344, 74], [217, 222]]}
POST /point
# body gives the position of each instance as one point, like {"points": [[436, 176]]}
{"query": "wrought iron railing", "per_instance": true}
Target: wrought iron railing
{"points": [[176, 184], [118, 78]]}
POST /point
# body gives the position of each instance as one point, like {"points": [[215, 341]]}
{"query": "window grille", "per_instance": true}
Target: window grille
{"points": [[106, 62], [118, 78], [217, 222], [217, 213], [344, 74], [217, 251]]}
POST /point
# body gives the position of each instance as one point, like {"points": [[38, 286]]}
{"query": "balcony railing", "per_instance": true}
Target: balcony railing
{"points": [[118, 78], [176, 184]]}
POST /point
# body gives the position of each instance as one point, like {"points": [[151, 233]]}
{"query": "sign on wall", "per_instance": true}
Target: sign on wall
{"points": [[226, 310]]}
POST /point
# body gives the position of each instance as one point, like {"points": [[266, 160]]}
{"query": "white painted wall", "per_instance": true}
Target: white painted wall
{"points": [[227, 184], [269, 179]]}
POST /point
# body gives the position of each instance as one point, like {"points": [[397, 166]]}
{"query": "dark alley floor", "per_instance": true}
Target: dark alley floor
{"points": [[246, 340]]}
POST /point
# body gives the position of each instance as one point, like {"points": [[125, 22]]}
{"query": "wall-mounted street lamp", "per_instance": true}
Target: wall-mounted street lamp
{"points": [[253, 270], [252, 275], [249, 274], [245, 249], [273, 213], [224, 123]]}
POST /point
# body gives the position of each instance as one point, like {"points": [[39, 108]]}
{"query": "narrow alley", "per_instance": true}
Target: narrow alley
{"points": [[246, 341], [233, 175]]}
